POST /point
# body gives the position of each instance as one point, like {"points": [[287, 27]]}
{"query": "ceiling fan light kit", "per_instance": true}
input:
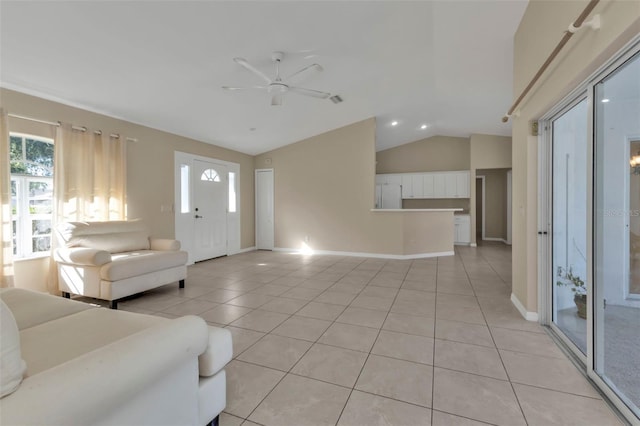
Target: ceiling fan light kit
{"points": [[278, 87]]}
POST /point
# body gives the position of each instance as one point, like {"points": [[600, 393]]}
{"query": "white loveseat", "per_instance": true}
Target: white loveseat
{"points": [[87, 365], [116, 259]]}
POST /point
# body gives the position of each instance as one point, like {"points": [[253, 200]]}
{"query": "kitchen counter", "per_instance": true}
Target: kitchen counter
{"points": [[416, 210]]}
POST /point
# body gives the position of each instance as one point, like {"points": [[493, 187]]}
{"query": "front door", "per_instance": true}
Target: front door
{"points": [[210, 210]]}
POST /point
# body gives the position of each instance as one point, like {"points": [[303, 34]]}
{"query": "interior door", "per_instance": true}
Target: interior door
{"points": [[210, 210], [264, 210]]}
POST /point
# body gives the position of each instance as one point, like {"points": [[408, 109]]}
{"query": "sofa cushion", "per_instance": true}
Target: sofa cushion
{"points": [[58, 341], [114, 243], [135, 263], [112, 236], [12, 366], [31, 308]]}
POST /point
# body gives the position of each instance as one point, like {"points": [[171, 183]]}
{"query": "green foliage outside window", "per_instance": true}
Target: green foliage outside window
{"points": [[30, 156]]}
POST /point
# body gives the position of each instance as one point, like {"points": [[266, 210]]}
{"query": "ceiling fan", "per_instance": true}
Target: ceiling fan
{"points": [[279, 87]]}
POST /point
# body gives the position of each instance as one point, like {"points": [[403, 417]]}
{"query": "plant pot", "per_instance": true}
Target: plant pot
{"points": [[581, 303]]}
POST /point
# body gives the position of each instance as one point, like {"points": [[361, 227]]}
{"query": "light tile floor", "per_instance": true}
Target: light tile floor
{"points": [[330, 340]]}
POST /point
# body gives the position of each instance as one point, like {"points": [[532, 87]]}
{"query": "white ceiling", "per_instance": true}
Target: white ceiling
{"points": [[447, 64]]}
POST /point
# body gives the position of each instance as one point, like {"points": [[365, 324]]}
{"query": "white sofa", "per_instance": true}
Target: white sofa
{"points": [[116, 259], [87, 365]]}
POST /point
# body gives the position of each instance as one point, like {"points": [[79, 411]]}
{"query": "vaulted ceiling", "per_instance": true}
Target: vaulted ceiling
{"points": [[446, 64]]}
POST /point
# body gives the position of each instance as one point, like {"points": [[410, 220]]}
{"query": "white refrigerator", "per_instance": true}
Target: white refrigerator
{"points": [[388, 196]]}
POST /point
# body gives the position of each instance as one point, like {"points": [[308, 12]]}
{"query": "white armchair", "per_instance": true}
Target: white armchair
{"points": [[116, 259]]}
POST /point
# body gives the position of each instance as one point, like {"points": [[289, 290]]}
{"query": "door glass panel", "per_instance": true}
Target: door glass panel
{"points": [[570, 224], [634, 219], [185, 204], [616, 232]]}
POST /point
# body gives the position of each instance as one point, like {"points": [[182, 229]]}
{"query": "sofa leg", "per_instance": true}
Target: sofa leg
{"points": [[181, 283], [113, 304], [66, 295], [215, 422]]}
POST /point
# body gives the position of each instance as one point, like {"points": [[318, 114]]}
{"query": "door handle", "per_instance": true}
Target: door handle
{"points": [[199, 217]]}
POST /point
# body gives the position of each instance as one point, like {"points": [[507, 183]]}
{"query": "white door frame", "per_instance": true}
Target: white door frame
{"points": [[484, 199], [509, 201], [256, 205], [183, 231], [627, 296]]}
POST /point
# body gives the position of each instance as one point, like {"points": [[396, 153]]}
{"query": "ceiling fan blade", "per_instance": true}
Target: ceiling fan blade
{"points": [[310, 92], [243, 88], [316, 67], [276, 99], [243, 62]]}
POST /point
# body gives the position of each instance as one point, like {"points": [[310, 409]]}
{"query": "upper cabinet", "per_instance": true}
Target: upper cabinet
{"points": [[462, 185], [430, 184]]}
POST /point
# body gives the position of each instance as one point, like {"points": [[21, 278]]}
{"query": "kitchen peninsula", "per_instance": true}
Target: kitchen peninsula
{"points": [[425, 232]]}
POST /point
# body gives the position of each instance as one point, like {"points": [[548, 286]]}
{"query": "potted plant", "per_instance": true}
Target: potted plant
{"points": [[569, 279]]}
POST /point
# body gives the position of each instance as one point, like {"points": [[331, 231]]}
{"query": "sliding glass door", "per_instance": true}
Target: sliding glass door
{"points": [[569, 237], [617, 231], [590, 181]]}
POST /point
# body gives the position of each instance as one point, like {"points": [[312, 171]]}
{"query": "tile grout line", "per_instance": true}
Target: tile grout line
{"points": [[494, 342], [433, 370], [344, 307], [296, 363], [355, 383]]}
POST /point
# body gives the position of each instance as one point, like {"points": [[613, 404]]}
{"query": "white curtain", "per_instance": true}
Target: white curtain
{"points": [[89, 181], [6, 228]]}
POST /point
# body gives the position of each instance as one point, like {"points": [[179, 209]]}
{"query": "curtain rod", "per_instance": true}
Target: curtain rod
{"points": [[573, 28], [79, 128], [22, 117]]}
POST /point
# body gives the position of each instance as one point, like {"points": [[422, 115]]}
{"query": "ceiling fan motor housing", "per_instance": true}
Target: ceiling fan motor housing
{"points": [[277, 87], [277, 56]]}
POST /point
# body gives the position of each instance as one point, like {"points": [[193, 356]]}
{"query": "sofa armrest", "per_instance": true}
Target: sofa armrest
{"points": [[164, 244], [82, 256], [91, 387], [218, 353]]}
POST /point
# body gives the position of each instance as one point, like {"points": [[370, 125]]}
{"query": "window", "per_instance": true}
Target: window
{"points": [[184, 189], [31, 159], [232, 192], [211, 175]]}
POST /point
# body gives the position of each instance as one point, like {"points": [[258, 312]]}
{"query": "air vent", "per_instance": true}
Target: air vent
{"points": [[336, 99]]}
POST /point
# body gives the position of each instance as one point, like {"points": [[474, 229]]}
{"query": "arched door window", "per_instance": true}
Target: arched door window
{"points": [[210, 175]]}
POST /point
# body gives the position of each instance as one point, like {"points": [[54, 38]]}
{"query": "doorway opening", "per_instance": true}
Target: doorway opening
{"points": [[480, 209]]}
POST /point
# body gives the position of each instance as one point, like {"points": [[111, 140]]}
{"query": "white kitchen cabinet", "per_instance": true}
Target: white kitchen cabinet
{"points": [[407, 185], [427, 185], [462, 185], [417, 185], [461, 229], [450, 185], [394, 178], [439, 185], [389, 178], [456, 184]]}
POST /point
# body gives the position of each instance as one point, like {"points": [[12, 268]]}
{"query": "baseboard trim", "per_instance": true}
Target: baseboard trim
{"points": [[501, 240], [245, 250], [372, 255], [529, 316], [473, 245]]}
